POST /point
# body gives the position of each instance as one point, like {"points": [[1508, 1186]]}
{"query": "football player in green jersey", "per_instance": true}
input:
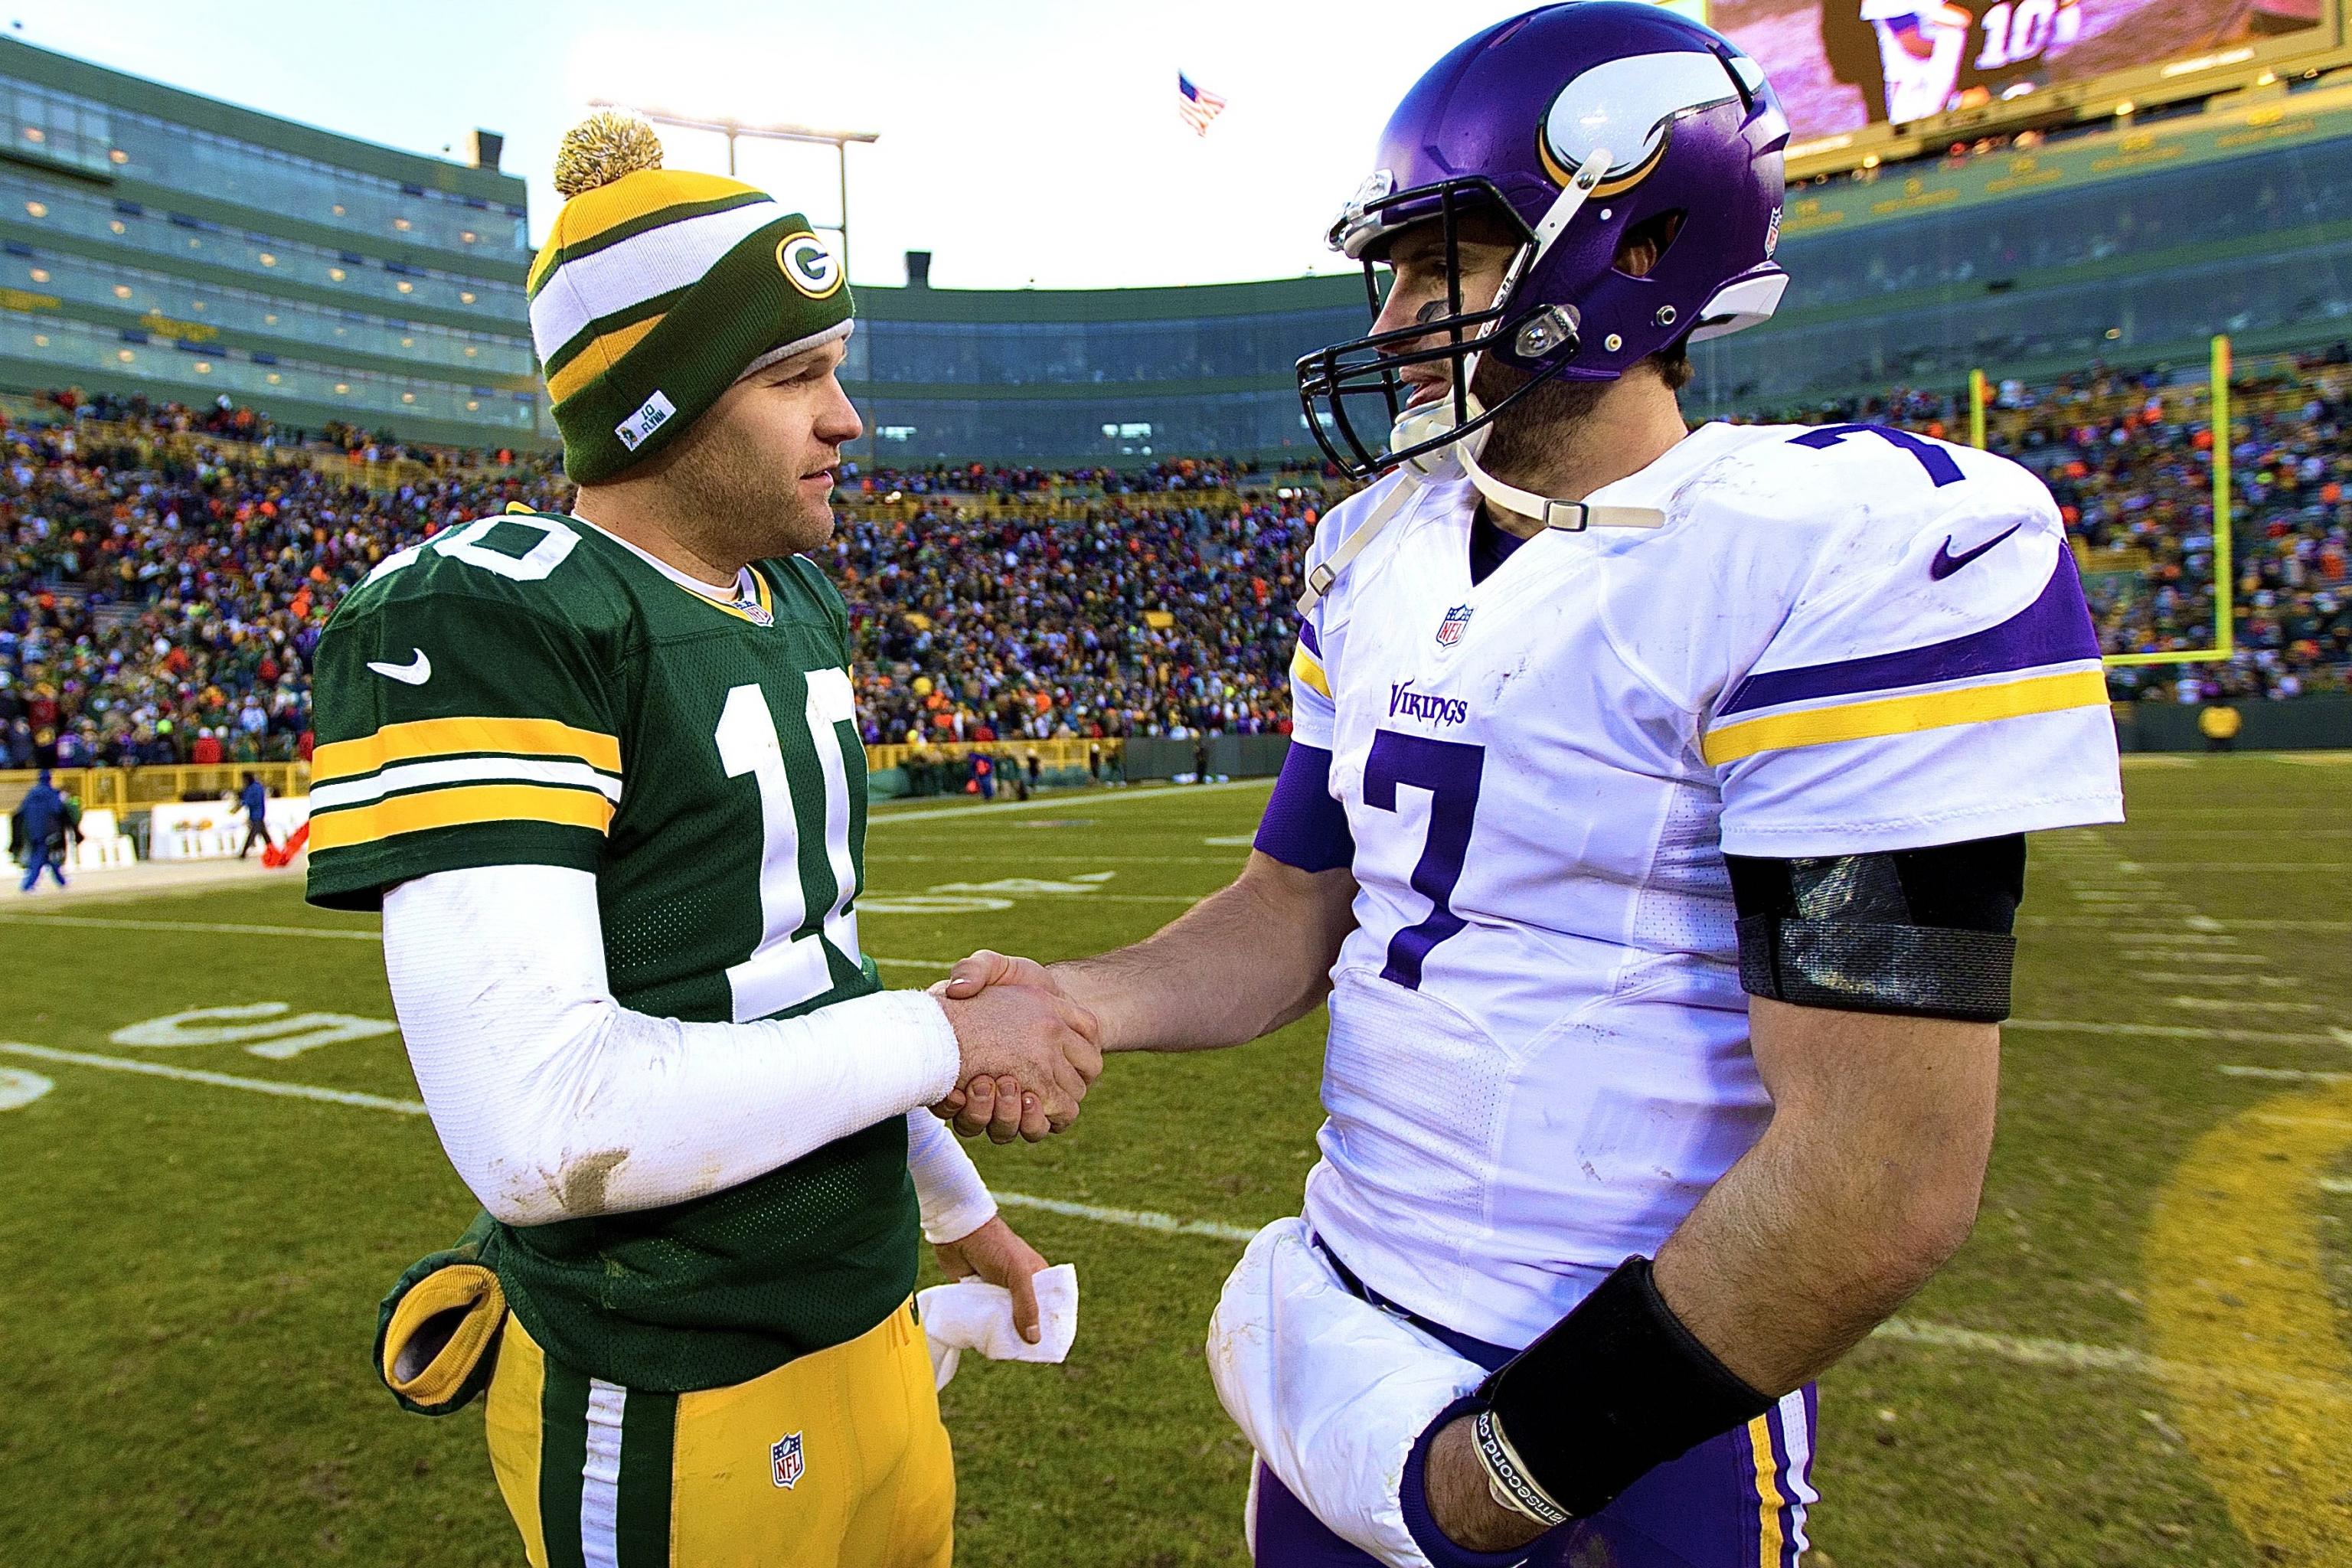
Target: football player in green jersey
{"points": [[602, 774]]}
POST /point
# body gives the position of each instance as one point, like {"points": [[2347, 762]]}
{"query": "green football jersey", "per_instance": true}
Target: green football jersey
{"points": [[528, 690]]}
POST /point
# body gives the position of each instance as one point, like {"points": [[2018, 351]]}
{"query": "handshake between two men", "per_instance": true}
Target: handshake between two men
{"points": [[1029, 1050]]}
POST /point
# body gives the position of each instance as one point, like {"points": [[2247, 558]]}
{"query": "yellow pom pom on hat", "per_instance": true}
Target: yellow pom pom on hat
{"points": [[658, 289]]}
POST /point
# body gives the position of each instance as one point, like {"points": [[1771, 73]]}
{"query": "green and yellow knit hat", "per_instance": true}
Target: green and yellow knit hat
{"points": [[658, 290]]}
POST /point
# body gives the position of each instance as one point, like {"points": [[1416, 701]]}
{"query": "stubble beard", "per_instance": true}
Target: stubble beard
{"points": [[741, 504], [1527, 438]]}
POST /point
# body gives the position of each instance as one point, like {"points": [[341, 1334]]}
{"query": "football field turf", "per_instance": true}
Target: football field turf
{"points": [[2142, 1356]]}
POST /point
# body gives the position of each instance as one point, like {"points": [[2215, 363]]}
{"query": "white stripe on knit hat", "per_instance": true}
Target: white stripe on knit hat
{"points": [[605, 282]]}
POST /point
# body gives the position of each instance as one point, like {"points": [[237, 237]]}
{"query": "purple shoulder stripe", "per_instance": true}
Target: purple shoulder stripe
{"points": [[2054, 629]]}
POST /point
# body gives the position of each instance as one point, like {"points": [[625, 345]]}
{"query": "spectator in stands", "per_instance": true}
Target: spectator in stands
{"points": [[38, 831], [254, 800]]}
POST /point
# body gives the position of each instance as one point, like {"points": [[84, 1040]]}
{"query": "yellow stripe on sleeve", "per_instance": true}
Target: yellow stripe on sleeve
{"points": [[454, 737], [464, 807], [1905, 715], [1306, 672], [1769, 1501]]}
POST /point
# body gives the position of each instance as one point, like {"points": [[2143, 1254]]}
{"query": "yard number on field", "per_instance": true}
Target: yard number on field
{"points": [[273, 1029]]}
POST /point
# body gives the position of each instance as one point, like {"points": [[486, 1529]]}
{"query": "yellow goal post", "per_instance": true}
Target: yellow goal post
{"points": [[2225, 585]]}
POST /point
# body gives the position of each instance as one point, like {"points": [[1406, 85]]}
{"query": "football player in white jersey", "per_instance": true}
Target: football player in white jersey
{"points": [[1654, 822]]}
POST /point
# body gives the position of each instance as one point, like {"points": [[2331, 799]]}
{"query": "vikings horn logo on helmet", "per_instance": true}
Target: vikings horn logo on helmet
{"points": [[1629, 107]]}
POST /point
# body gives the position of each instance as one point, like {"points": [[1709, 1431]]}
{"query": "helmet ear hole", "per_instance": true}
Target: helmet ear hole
{"points": [[1644, 244]]}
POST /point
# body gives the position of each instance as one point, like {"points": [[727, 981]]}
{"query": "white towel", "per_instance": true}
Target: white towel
{"points": [[970, 1315]]}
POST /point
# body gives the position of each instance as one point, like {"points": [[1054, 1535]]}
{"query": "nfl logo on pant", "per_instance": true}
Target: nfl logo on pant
{"points": [[786, 1458], [1450, 629]]}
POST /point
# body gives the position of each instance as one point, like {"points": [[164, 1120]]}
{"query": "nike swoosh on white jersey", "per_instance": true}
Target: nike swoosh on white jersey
{"points": [[415, 672]]}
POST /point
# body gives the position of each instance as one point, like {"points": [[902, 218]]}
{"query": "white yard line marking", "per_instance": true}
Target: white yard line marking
{"points": [[217, 927], [1135, 1219], [217, 1080], [1064, 803], [2284, 1075], [2179, 1032], [2160, 955], [1940, 1336], [2032, 1352], [2239, 1005]]}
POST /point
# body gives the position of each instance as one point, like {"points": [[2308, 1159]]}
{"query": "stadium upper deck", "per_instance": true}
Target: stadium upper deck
{"points": [[162, 242]]}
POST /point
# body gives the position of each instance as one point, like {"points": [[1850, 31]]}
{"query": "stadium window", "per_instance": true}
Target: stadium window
{"points": [[897, 432]]}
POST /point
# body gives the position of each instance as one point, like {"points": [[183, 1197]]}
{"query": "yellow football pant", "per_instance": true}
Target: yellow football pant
{"points": [[835, 1460]]}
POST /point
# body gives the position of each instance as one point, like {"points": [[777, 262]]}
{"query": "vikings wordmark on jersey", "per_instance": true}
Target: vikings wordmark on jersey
{"points": [[1842, 640]]}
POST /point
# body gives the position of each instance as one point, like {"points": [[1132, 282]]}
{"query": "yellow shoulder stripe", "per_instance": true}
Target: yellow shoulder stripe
{"points": [[447, 737], [1905, 715], [462, 808], [1306, 672]]}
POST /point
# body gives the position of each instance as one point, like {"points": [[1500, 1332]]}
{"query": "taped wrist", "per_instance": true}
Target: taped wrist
{"points": [[1924, 932], [1612, 1391]]}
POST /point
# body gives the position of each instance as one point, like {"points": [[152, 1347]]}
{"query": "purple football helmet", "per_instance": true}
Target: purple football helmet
{"points": [[1574, 125]]}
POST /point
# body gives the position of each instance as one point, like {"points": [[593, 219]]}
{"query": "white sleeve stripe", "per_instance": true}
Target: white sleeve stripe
{"points": [[462, 770]]}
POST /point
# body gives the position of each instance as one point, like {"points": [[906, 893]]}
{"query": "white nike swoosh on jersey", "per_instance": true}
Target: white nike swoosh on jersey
{"points": [[415, 672]]}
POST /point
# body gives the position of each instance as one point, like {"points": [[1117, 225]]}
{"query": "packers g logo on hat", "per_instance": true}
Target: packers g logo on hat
{"points": [[808, 265]]}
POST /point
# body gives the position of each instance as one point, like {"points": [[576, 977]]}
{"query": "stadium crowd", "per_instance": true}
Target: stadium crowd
{"points": [[167, 572]]}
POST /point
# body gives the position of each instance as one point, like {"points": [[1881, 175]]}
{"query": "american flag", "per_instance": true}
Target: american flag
{"points": [[1197, 104]]}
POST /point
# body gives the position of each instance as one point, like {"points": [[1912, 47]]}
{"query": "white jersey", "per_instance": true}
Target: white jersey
{"points": [[1843, 639]]}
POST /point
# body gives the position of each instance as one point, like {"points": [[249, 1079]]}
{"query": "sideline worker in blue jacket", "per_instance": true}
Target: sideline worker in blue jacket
{"points": [[39, 833]]}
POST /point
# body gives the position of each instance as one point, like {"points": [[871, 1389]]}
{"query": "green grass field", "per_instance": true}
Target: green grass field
{"points": [[2141, 1357]]}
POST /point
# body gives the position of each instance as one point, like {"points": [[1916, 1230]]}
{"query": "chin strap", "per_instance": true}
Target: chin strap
{"points": [[1568, 516], [1416, 426], [1319, 581]]}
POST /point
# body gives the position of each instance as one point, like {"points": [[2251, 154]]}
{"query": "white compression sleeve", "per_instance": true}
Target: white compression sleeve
{"points": [[556, 1102], [954, 1200]]}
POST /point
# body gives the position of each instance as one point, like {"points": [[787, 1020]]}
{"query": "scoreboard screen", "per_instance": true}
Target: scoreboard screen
{"points": [[1842, 64]]}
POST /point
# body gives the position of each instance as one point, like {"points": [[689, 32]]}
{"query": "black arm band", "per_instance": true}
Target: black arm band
{"points": [[1612, 1391], [1924, 931]]}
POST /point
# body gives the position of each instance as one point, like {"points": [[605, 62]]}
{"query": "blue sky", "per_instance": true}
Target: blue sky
{"points": [[1022, 141]]}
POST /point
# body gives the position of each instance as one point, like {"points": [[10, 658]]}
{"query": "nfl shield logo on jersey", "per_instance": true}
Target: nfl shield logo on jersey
{"points": [[1450, 629], [786, 1458]]}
